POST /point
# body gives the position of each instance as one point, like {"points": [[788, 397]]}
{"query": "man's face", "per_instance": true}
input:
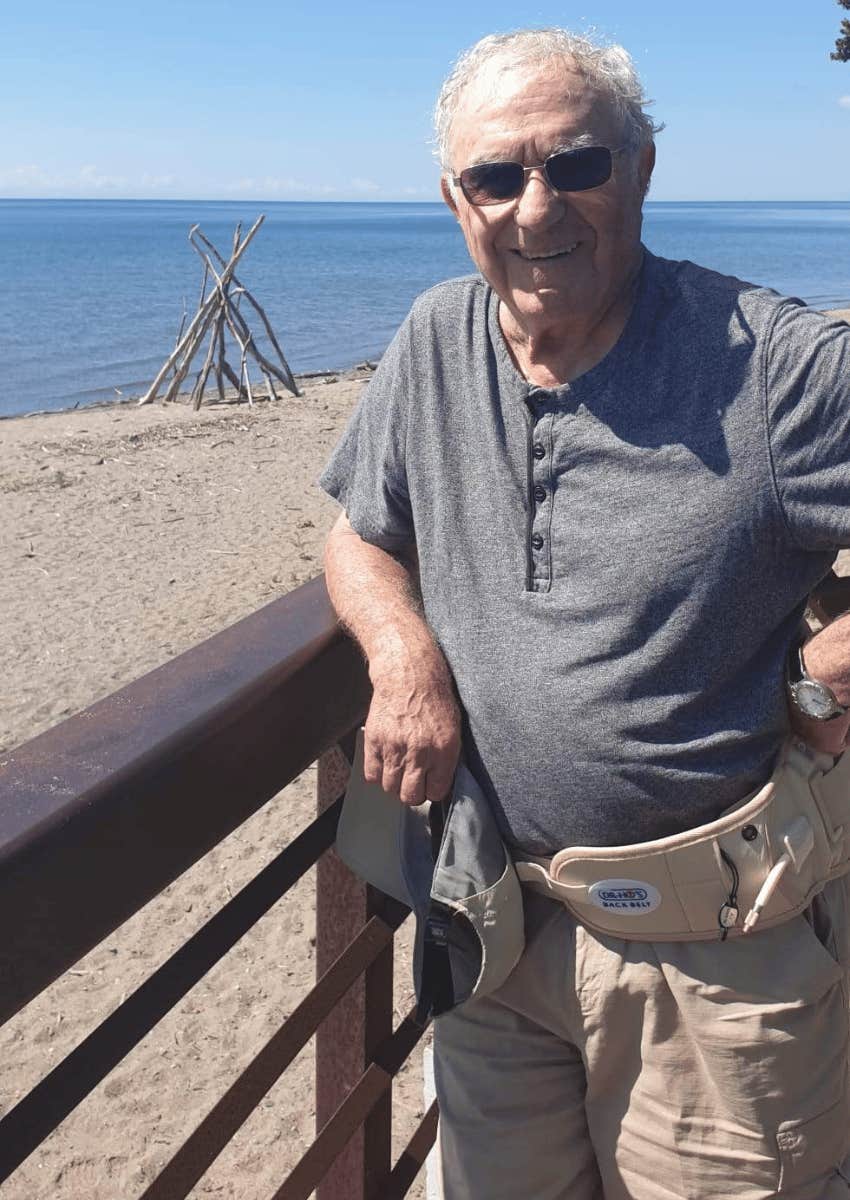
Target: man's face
{"points": [[550, 256]]}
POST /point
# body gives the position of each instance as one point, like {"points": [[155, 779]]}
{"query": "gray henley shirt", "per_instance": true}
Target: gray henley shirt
{"points": [[614, 568]]}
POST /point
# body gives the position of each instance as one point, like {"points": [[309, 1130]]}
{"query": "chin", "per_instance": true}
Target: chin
{"points": [[550, 305]]}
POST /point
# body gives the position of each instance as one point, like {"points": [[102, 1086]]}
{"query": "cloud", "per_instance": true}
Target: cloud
{"points": [[24, 178], [92, 181], [90, 176], [31, 179], [844, 101], [155, 182], [269, 186]]}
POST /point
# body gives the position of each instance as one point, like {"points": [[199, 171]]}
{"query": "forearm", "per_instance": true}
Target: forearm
{"points": [[412, 737], [376, 597]]}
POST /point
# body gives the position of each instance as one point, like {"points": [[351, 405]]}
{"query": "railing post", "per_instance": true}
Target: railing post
{"points": [[361, 1021]]}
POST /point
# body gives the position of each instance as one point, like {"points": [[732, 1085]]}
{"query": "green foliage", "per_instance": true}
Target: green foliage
{"points": [[841, 53]]}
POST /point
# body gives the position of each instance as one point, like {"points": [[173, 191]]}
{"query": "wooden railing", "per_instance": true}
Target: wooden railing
{"points": [[102, 812]]}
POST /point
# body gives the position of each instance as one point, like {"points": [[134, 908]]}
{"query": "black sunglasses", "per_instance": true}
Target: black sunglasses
{"points": [[566, 170]]}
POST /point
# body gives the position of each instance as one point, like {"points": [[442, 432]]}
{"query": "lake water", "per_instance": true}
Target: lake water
{"points": [[94, 290]]}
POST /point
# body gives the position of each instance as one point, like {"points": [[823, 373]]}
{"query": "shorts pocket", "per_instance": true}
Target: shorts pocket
{"points": [[827, 917], [831, 791], [812, 1151]]}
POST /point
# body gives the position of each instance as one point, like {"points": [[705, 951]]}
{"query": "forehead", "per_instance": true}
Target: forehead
{"points": [[510, 109]]}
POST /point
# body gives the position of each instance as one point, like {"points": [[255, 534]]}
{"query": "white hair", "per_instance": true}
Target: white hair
{"points": [[609, 69]]}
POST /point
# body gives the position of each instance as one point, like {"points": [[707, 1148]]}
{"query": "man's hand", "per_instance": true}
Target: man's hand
{"points": [[827, 659], [412, 736]]}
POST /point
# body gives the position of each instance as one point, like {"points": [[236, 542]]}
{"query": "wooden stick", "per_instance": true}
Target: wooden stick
{"points": [[289, 381], [203, 374], [231, 374], [182, 370], [219, 382], [203, 295], [182, 325], [265, 364], [239, 328], [270, 385], [227, 309], [202, 315]]}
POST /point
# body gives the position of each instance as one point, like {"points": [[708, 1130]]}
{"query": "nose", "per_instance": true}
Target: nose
{"points": [[539, 204]]}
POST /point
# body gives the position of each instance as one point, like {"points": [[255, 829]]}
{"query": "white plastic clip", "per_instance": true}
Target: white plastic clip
{"points": [[799, 842]]}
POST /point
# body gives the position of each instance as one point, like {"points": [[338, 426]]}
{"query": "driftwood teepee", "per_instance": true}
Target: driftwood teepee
{"points": [[218, 313]]}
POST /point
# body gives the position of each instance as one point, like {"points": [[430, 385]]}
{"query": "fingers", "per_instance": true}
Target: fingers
{"points": [[441, 776], [413, 772], [412, 788]]}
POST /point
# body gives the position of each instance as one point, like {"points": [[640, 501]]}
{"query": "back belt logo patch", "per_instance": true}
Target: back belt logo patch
{"points": [[630, 897]]}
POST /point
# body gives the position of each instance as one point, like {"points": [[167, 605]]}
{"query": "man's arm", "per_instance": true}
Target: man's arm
{"points": [[412, 736], [827, 659]]}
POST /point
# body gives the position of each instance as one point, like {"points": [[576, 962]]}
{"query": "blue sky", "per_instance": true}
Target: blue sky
{"points": [[331, 100]]}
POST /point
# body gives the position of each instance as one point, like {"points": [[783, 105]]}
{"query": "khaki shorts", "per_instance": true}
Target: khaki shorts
{"points": [[619, 1069]]}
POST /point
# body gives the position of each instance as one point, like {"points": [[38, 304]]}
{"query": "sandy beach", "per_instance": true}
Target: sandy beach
{"points": [[128, 536]]}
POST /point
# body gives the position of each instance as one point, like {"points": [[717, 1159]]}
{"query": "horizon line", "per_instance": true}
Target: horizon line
{"points": [[436, 203], [439, 202]]}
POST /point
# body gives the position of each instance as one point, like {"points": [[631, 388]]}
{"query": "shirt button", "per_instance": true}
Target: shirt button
{"points": [[537, 541], [538, 450], [539, 494]]}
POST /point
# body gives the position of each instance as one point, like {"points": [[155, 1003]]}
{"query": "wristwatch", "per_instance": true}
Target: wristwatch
{"points": [[809, 696]]}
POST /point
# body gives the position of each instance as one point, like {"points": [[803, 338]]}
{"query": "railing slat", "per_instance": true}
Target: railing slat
{"points": [[412, 1158], [59, 1093], [347, 1040], [208, 1140], [347, 1119]]}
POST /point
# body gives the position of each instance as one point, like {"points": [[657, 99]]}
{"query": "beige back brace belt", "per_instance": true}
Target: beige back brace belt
{"points": [[761, 862]]}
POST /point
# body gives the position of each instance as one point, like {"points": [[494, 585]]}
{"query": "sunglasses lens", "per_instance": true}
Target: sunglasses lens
{"points": [[567, 171], [579, 170], [491, 183]]}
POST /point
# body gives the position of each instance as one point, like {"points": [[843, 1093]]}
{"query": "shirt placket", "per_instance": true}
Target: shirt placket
{"points": [[542, 490]]}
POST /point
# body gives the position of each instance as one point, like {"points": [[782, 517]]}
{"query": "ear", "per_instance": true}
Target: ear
{"points": [[448, 194], [646, 166]]}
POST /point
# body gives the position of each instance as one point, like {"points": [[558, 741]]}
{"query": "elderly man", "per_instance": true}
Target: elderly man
{"points": [[586, 496]]}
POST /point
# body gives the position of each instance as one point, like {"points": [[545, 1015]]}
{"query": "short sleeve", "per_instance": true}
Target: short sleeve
{"points": [[367, 471], [807, 387]]}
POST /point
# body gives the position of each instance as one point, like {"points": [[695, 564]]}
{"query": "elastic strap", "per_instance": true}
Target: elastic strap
{"points": [[437, 993]]}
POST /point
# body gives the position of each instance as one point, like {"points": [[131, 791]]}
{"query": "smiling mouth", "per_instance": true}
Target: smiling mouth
{"points": [[548, 255]]}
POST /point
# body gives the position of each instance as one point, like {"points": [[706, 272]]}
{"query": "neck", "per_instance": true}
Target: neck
{"points": [[552, 353]]}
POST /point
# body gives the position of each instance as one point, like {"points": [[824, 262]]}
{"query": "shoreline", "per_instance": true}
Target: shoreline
{"points": [[361, 370], [358, 371]]}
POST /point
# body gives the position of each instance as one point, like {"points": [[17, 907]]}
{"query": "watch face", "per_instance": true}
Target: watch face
{"points": [[814, 700]]}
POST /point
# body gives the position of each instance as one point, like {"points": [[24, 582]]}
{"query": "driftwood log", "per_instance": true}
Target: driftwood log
{"points": [[220, 313]]}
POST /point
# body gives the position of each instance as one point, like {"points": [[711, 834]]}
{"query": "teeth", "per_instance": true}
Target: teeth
{"points": [[551, 254]]}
